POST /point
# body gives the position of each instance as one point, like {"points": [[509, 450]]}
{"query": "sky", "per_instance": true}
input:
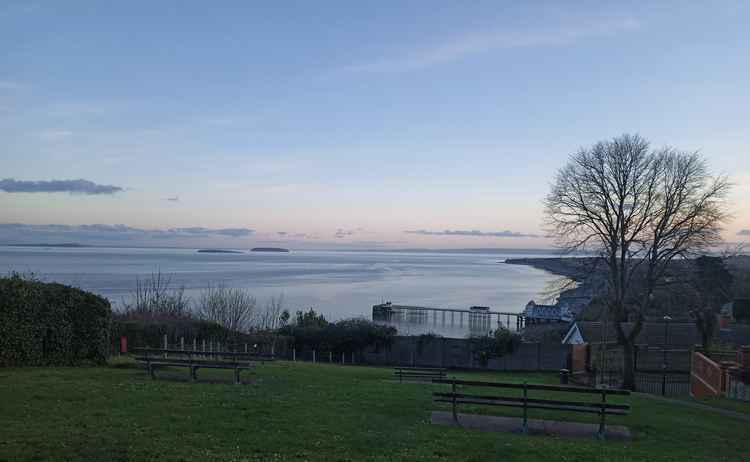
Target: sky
{"points": [[347, 124]]}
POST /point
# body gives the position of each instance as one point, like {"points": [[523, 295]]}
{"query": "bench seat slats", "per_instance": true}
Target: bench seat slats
{"points": [[202, 366], [535, 406], [419, 373], [197, 362], [421, 369]]}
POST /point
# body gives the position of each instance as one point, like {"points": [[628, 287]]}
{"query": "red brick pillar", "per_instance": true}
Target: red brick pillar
{"points": [[725, 365]]}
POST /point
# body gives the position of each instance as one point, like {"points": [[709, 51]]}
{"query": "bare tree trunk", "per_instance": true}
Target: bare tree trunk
{"points": [[628, 369]]}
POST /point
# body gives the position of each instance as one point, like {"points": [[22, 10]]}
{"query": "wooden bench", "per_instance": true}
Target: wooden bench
{"points": [[152, 359], [419, 373], [600, 406]]}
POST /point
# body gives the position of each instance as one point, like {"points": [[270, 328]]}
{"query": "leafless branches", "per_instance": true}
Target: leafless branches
{"points": [[638, 209], [231, 308], [155, 297]]}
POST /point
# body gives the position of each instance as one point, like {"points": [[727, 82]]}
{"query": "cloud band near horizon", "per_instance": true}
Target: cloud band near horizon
{"points": [[471, 233], [79, 186], [118, 232]]}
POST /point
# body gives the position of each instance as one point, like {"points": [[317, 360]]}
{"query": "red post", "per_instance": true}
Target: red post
{"points": [[123, 345]]}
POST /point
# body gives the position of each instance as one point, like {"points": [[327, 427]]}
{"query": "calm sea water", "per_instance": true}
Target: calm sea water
{"points": [[339, 284]]}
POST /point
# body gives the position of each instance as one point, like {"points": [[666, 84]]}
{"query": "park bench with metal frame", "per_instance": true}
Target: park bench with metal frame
{"points": [[153, 358], [601, 406], [421, 374]]}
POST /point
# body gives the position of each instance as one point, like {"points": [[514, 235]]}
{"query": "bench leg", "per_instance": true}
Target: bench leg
{"points": [[453, 407], [237, 377], [151, 371], [600, 435], [193, 373], [525, 410]]}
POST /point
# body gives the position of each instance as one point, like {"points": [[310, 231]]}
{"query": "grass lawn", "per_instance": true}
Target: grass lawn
{"points": [[724, 403], [301, 411]]}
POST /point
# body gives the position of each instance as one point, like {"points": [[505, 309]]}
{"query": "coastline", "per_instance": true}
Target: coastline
{"points": [[576, 268]]}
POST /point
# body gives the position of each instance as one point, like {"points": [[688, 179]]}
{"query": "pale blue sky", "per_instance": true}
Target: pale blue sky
{"points": [[350, 123]]}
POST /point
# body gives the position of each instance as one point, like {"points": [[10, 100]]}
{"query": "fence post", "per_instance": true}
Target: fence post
{"points": [[525, 409], [330, 356], [313, 356], [204, 345], [602, 414], [166, 346], [342, 357], [195, 344], [453, 400], [182, 343], [294, 354], [246, 348]]}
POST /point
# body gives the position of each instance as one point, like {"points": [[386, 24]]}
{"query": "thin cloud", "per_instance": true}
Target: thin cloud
{"points": [[79, 186], [471, 233], [53, 135], [475, 43], [10, 85], [109, 233], [342, 233]]}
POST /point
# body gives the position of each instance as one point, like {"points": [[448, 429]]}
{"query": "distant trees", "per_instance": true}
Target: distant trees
{"points": [[311, 330], [638, 209], [711, 284], [499, 343], [232, 308], [155, 297]]}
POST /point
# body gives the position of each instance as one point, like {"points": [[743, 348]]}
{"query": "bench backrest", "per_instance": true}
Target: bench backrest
{"points": [[159, 352], [599, 406]]}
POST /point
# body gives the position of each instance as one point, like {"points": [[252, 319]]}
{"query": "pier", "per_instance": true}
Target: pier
{"points": [[478, 319]]}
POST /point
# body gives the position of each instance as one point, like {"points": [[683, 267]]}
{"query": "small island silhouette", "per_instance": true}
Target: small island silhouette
{"points": [[218, 251], [268, 249]]}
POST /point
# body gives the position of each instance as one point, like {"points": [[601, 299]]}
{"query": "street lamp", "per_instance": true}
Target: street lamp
{"points": [[666, 318]]}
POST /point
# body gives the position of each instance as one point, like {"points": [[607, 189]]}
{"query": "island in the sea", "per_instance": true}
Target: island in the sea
{"points": [[268, 249], [218, 251]]}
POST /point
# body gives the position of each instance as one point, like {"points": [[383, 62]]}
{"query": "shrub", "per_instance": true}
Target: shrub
{"points": [[742, 310], [314, 332], [499, 343], [51, 324]]}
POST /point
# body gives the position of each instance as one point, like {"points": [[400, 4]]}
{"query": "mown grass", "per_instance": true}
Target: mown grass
{"points": [[723, 403], [298, 411]]}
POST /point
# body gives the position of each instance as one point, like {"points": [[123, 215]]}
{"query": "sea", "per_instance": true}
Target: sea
{"points": [[340, 284]]}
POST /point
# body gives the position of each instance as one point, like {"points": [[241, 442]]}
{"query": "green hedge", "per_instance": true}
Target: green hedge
{"points": [[742, 310], [51, 324]]}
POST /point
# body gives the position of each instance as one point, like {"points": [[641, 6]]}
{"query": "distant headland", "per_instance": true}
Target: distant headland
{"points": [[218, 251], [268, 249], [67, 245]]}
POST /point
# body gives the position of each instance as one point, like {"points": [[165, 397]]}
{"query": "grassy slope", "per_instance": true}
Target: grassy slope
{"points": [[306, 412]]}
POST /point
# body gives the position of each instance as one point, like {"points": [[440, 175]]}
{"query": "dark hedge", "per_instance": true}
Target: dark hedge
{"points": [[45, 324]]}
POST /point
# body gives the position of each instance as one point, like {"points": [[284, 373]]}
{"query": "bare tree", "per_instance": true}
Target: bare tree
{"points": [[155, 297], [638, 209], [272, 316], [231, 308]]}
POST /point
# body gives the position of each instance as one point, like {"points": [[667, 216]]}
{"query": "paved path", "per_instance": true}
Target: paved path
{"points": [[536, 427], [701, 406]]}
